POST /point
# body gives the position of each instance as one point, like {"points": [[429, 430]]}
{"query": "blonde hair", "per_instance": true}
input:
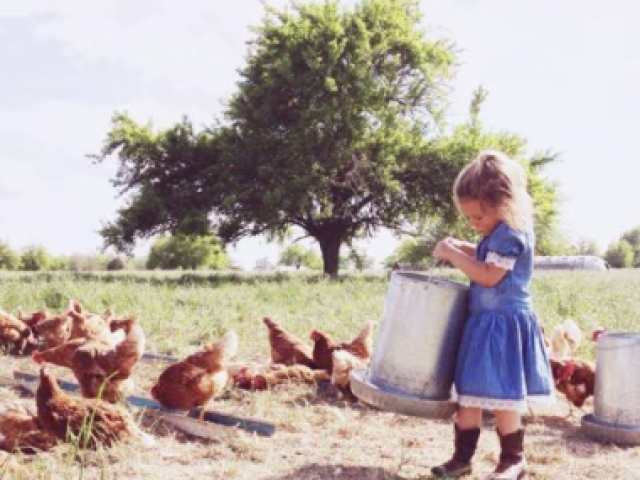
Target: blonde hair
{"points": [[498, 182]]}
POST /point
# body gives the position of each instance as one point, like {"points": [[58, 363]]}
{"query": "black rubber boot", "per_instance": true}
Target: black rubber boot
{"points": [[512, 463], [465, 446]]}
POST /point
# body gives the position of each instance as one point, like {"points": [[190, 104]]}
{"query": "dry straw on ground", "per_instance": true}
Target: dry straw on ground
{"points": [[322, 436]]}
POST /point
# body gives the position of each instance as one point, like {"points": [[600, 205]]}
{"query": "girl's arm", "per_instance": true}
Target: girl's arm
{"points": [[467, 247], [484, 274]]}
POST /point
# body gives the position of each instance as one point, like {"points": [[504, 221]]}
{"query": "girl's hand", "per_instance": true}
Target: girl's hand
{"points": [[444, 248], [454, 242]]}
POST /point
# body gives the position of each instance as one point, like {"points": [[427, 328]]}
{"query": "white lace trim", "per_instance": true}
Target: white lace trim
{"points": [[507, 263], [502, 404], [542, 399], [492, 403]]}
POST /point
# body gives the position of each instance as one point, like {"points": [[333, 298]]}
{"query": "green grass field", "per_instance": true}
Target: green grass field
{"points": [[180, 311]]}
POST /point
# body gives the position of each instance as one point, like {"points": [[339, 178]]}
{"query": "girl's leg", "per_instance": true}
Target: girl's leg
{"points": [[467, 432], [468, 417], [508, 421], [511, 434]]}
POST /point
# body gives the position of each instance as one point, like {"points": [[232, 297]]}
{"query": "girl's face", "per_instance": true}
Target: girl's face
{"points": [[483, 219]]}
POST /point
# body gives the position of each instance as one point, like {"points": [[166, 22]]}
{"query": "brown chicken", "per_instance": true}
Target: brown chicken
{"points": [[98, 365], [197, 379], [53, 331], [75, 306], [20, 431], [60, 355], [14, 333], [287, 349], [61, 414], [122, 323], [575, 379], [269, 376], [33, 319], [323, 347], [91, 327]]}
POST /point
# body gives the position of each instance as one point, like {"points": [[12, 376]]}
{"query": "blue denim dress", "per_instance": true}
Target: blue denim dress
{"points": [[502, 362]]}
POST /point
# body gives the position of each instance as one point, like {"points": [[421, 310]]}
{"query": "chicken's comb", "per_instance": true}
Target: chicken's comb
{"points": [[596, 333], [316, 335]]}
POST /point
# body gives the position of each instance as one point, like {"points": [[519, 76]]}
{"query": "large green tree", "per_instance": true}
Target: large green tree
{"points": [[336, 128]]}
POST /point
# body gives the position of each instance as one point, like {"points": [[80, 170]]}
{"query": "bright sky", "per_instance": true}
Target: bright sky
{"points": [[564, 75]]}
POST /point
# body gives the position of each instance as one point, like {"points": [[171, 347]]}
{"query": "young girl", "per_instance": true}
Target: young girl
{"points": [[502, 362]]}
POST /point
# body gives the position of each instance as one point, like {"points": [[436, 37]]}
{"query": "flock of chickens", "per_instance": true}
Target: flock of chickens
{"points": [[102, 350]]}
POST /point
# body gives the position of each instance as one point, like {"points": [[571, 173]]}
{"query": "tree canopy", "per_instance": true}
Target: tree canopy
{"points": [[336, 128]]}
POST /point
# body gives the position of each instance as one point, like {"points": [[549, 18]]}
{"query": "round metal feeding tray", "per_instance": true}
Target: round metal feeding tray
{"points": [[396, 401], [413, 363], [608, 432], [616, 398]]}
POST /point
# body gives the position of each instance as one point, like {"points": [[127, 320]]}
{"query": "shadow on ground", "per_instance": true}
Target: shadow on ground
{"points": [[339, 472]]}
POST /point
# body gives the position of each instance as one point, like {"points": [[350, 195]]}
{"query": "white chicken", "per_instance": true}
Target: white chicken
{"points": [[343, 363], [565, 340]]}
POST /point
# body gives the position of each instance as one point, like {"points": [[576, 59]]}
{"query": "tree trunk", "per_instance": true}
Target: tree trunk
{"points": [[330, 246]]}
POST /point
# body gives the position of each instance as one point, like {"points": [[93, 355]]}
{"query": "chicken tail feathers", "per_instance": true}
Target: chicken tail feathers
{"points": [[365, 334], [227, 345], [271, 325]]}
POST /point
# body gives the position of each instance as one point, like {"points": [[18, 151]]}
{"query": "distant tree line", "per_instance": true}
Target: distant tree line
{"points": [[302, 257], [36, 258], [188, 252]]}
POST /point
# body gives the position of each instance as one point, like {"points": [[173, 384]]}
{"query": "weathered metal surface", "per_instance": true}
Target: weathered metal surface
{"points": [[397, 401], [416, 348], [617, 390], [159, 357], [616, 399], [413, 362]]}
